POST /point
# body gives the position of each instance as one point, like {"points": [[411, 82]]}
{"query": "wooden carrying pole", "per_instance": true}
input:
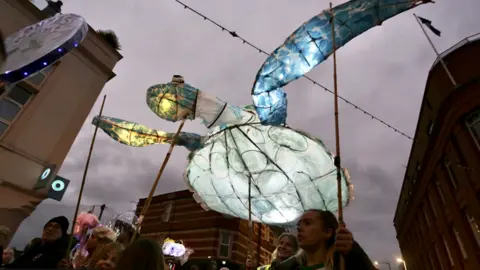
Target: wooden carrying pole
{"points": [[337, 131], [83, 181], [155, 183]]}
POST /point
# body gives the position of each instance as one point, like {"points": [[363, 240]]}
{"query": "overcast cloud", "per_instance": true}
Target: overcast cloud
{"points": [[384, 71]]}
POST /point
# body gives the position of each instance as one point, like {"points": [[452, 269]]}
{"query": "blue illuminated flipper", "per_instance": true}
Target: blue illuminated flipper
{"points": [[311, 44]]}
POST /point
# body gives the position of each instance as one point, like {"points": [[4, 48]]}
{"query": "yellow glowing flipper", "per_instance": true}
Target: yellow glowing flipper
{"points": [[133, 134]]}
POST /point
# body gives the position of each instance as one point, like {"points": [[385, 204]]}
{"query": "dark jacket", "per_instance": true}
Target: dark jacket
{"points": [[41, 256], [356, 259]]}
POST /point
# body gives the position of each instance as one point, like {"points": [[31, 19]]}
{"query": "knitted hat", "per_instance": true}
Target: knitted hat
{"points": [[62, 221]]}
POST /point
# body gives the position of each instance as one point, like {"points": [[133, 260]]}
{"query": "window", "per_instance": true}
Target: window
{"points": [[37, 79], [451, 176], [225, 241], [167, 214], [12, 101], [448, 251], [474, 226], [473, 125], [255, 228], [265, 233], [439, 189], [460, 244], [430, 128]]}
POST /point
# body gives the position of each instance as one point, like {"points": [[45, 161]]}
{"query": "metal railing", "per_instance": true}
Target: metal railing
{"points": [[461, 43]]}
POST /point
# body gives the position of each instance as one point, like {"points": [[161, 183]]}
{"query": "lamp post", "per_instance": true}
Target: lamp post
{"points": [[400, 260], [387, 263]]}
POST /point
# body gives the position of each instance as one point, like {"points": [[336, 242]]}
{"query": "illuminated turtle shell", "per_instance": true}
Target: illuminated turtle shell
{"points": [[291, 172]]}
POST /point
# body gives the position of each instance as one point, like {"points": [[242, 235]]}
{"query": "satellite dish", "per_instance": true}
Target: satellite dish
{"points": [[40, 45]]}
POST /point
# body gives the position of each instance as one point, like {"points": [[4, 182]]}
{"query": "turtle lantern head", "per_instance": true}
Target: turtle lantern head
{"points": [[173, 101]]}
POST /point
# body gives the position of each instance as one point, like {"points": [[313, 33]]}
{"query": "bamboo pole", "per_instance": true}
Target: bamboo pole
{"points": [[92, 144], [337, 130], [250, 223], [155, 183]]}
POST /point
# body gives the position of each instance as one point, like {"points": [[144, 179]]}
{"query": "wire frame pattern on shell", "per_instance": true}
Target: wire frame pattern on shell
{"points": [[290, 172]]}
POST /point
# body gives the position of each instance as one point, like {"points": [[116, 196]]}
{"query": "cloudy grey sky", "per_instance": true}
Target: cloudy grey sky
{"points": [[383, 71]]}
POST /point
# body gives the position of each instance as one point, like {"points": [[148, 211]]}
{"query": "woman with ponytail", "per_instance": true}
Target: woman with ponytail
{"points": [[323, 241]]}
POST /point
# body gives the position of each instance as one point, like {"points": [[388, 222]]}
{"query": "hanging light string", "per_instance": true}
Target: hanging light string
{"points": [[235, 35]]}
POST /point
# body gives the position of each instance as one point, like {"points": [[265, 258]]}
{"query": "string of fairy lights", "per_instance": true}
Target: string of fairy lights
{"points": [[246, 42]]}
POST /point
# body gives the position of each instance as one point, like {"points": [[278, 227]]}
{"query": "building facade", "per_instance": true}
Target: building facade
{"points": [[438, 214], [41, 117], [213, 237]]}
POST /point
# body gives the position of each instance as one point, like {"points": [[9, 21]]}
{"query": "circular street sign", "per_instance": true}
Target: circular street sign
{"points": [[46, 173], [58, 185]]}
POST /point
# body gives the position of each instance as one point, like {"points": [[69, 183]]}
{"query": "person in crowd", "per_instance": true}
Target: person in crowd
{"points": [[100, 237], [286, 248], [142, 254], [34, 242], [8, 256], [212, 265], [4, 237], [48, 252], [106, 257], [323, 241], [125, 237]]}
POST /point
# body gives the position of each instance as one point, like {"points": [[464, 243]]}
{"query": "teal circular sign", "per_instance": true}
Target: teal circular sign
{"points": [[58, 185], [45, 174]]}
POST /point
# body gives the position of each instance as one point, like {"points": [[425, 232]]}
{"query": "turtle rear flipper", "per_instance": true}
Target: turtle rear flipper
{"points": [[133, 134]]}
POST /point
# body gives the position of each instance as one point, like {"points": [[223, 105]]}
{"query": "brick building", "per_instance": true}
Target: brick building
{"points": [[438, 214], [213, 236]]}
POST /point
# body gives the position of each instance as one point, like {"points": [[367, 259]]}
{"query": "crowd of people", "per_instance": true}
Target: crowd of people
{"points": [[321, 243]]}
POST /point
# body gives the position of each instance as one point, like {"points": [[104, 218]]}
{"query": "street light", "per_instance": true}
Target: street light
{"points": [[387, 263], [400, 260]]}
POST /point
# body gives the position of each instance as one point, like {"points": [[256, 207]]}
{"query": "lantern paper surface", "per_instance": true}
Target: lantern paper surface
{"points": [[169, 101], [311, 44], [38, 46], [133, 134], [291, 172], [123, 222]]}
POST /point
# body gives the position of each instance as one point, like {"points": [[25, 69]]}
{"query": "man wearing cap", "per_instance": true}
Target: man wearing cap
{"points": [[48, 252]]}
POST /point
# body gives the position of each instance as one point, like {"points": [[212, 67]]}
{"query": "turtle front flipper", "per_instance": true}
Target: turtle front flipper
{"points": [[136, 135]]}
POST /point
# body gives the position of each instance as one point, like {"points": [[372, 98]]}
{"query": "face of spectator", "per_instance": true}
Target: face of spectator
{"points": [[92, 242], [284, 248], [108, 261], [52, 232], [7, 255]]}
